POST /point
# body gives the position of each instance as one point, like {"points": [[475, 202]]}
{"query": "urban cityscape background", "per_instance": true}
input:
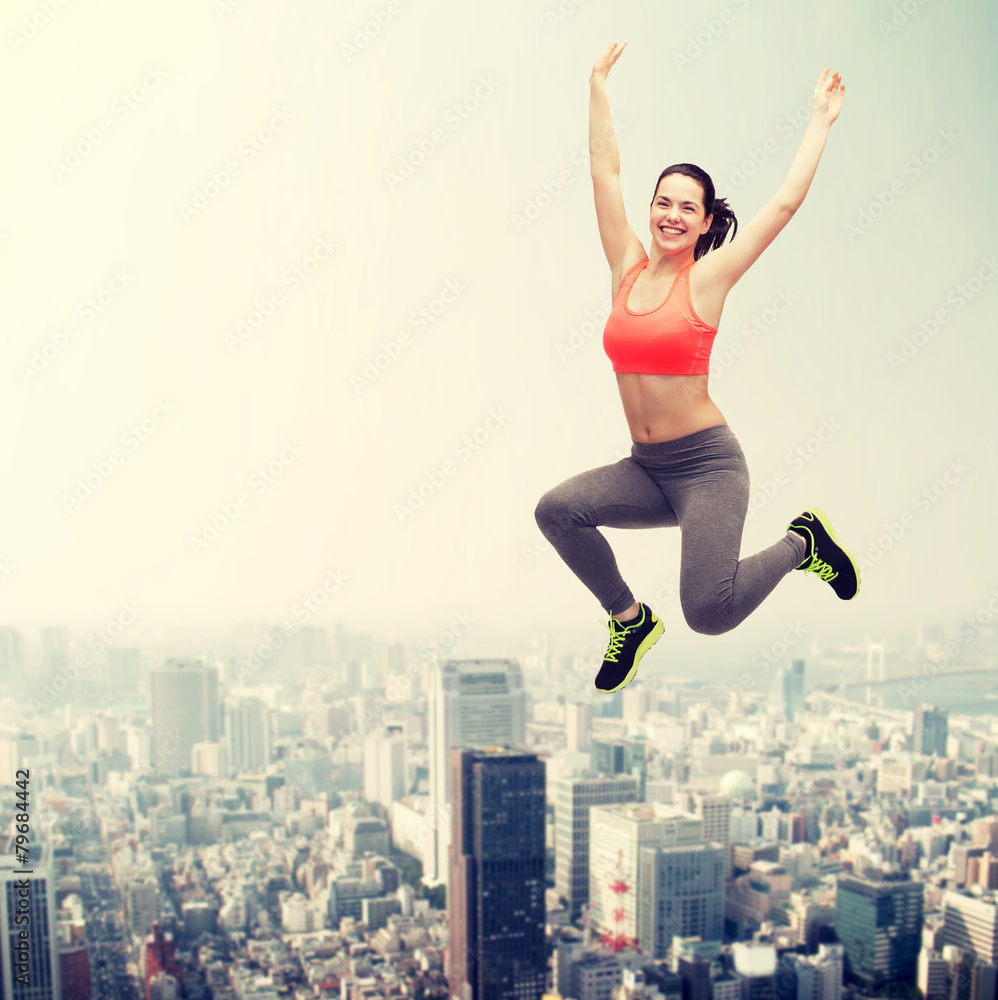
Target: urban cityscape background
{"points": [[332, 815]]}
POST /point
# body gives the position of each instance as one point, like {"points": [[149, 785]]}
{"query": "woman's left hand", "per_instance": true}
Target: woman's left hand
{"points": [[828, 96]]}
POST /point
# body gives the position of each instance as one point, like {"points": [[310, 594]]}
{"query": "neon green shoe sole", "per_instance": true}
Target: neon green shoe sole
{"points": [[628, 643]]}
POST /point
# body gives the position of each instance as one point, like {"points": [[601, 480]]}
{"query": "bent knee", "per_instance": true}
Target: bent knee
{"points": [[553, 513], [706, 619]]}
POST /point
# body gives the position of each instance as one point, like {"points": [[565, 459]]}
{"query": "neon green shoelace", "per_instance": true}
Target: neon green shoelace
{"points": [[821, 569], [616, 638]]}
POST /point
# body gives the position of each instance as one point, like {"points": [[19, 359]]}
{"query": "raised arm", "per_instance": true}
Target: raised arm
{"points": [[604, 166], [728, 263], [604, 157], [827, 104]]}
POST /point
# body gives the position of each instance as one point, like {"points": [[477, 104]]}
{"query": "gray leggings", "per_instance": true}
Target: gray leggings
{"points": [[699, 483]]}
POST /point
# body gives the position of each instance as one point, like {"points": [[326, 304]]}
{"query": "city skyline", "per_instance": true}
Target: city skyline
{"points": [[754, 805], [188, 333]]}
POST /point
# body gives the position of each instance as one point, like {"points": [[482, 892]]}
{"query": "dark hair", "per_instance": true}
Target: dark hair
{"points": [[723, 219]]}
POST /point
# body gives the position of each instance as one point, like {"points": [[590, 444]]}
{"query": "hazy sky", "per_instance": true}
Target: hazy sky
{"points": [[169, 168]]}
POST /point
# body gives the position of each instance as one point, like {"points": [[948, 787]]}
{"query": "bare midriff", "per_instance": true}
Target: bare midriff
{"points": [[666, 407]]}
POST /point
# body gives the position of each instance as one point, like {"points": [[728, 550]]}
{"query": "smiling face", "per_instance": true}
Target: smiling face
{"points": [[678, 205]]}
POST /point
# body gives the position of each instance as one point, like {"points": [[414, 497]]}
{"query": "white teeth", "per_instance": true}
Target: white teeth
{"points": [[675, 232]]}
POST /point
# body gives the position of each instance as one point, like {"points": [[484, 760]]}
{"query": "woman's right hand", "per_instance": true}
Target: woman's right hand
{"points": [[611, 54]]}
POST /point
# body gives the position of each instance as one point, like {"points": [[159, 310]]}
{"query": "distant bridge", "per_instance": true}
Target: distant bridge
{"points": [[863, 682], [860, 707]]}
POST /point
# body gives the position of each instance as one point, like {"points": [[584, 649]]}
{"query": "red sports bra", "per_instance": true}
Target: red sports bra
{"points": [[669, 340]]}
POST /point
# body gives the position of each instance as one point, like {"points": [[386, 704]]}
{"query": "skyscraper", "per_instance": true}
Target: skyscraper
{"points": [[931, 730], [578, 726], [32, 942], [970, 922], [793, 689], [680, 893], [715, 811], [495, 904], [384, 766], [878, 920], [983, 981], [247, 734], [616, 838], [184, 712], [574, 797], [471, 703]]}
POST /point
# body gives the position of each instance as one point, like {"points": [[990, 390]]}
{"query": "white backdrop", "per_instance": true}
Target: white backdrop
{"points": [[266, 265]]}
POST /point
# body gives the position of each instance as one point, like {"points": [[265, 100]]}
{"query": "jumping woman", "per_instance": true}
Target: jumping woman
{"points": [[686, 467]]}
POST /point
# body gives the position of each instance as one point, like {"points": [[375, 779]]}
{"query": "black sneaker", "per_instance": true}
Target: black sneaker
{"points": [[629, 641], [826, 557]]}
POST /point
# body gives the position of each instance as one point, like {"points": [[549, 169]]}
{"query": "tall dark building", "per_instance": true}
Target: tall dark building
{"points": [[878, 920], [931, 730], [793, 689], [495, 895], [984, 981]]}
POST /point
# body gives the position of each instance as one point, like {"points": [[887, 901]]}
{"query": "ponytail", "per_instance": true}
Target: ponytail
{"points": [[724, 219]]}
